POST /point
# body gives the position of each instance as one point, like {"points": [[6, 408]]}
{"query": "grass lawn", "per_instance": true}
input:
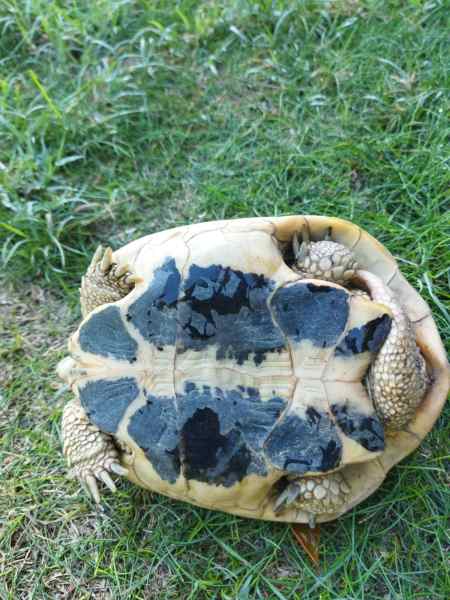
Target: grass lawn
{"points": [[122, 117]]}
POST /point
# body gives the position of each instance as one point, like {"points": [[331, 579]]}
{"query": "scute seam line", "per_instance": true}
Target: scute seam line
{"points": [[174, 366]]}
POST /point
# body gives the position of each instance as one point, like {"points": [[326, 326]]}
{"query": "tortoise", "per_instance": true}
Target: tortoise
{"points": [[273, 368]]}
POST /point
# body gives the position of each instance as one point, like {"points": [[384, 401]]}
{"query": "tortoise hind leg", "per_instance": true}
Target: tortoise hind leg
{"points": [[325, 260], [105, 281], [398, 379], [90, 453], [315, 495]]}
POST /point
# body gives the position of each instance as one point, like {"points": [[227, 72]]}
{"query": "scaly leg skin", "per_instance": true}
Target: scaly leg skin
{"points": [[105, 281], [89, 452], [315, 495], [325, 260], [398, 377]]}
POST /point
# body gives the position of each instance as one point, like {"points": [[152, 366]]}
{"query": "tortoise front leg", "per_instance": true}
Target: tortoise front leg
{"points": [[90, 453], [105, 281], [315, 495]]}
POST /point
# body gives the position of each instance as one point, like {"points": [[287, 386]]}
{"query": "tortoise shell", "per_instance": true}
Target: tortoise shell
{"points": [[223, 371]]}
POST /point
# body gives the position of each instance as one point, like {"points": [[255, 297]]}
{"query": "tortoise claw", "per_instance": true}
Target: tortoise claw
{"points": [[118, 469], [105, 281], [300, 248], [103, 475], [106, 260], [89, 477], [312, 520], [98, 254], [132, 279], [120, 270], [300, 243], [91, 485], [286, 498]]}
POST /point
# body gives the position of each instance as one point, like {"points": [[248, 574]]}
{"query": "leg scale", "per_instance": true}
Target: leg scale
{"points": [[315, 495]]}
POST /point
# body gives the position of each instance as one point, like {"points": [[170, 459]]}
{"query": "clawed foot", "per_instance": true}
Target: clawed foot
{"points": [[90, 453], [102, 262], [88, 474], [325, 260], [315, 495], [105, 281]]}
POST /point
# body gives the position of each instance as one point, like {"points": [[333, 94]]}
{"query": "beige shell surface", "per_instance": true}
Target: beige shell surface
{"points": [[251, 497]]}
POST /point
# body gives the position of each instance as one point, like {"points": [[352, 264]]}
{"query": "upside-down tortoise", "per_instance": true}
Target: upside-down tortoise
{"points": [[274, 368]]}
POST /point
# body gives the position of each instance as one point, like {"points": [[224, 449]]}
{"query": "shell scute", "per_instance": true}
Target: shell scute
{"points": [[369, 337], [222, 432], [227, 308], [305, 443], [104, 333], [306, 311], [206, 433], [154, 427], [366, 430], [153, 314], [106, 400]]}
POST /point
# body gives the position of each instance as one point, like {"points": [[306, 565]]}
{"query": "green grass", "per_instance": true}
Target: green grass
{"points": [[120, 118]]}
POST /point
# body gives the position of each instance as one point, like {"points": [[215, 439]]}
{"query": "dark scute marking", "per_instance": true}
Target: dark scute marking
{"points": [[306, 311], [213, 435], [366, 430], [105, 333], [154, 314], [302, 445], [154, 429], [313, 415], [210, 456], [369, 337], [106, 400], [229, 309], [202, 439], [223, 432]]}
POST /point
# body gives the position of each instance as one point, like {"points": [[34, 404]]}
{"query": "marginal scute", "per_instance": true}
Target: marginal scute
{"points": [[414, 304]]}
